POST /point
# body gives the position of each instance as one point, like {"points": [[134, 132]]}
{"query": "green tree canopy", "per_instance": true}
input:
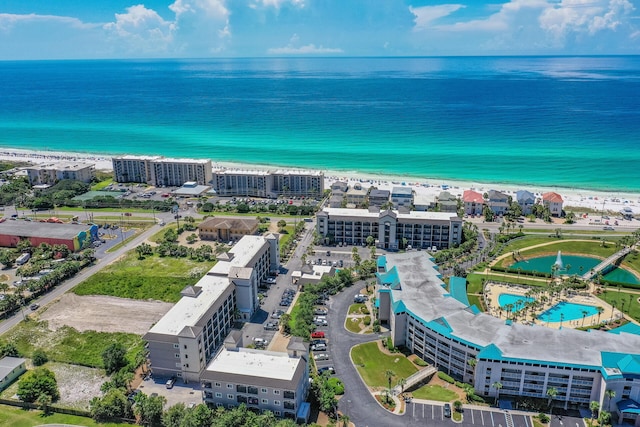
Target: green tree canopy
{"points": [[113, 358], [37, 382]]}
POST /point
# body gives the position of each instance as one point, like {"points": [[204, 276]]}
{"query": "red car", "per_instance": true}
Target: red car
{"points": [[317, 334]]}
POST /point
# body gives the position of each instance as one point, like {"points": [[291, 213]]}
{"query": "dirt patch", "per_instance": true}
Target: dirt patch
{"points": [[104, 314], [279, 343]]}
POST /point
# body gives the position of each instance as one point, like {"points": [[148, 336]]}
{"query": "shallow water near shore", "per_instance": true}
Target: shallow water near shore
{"points": [[567, 122]]}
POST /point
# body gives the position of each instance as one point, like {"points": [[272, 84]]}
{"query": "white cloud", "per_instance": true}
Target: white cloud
{"points": [[425, 15], [8, 21], [201, 26], [584, 16], [277, 4], [309, 49], [140, 31], [506, 18]]}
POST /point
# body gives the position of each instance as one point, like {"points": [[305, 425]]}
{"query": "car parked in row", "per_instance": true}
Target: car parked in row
{"points": [[330, 369], [317, 334], [271, 326], [321, 356]]}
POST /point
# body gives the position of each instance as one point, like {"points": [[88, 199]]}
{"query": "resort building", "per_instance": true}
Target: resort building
{"points": [[526, 200], [554, 202], [225, 229], [73, 236], [50, 173], [262, 380], [337, 200], [498, 202], [473, 202], [401, 196], [312, 274], [160, 171], [188, 336], [339, 187], [420, 229], [267, 184], [446, 202], [440, 327]]}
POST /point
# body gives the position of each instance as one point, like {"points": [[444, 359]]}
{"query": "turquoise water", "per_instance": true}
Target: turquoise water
{"points": [[568, 310], [518, 301], [543, 265], [470, 119]]}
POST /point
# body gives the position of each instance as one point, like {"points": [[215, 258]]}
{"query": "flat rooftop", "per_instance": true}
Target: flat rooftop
{"points": [[243, 252], [364, 213], [181, 160], [60, 166], [422, 293], [133, 157], [24, 228], [240, 172], [255, 363], [189, 310]]}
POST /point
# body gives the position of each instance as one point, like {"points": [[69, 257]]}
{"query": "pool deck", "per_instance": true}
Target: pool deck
{"points": [[494, 290]]}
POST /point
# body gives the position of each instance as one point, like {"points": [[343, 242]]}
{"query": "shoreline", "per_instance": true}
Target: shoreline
{"points": [[598, 200]]}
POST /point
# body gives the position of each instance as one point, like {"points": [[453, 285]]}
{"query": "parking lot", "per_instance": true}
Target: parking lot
{"points": [[180, 392], [433, 415]]}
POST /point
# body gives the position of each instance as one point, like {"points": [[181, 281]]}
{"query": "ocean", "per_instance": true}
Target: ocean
{"points": [[566, 122]]}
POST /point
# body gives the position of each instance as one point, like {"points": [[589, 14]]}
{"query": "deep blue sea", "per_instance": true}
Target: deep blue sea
{"points": [[570, 122]]}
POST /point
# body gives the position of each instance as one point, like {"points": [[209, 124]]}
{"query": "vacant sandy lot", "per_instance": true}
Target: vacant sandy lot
{"points": [[104, 314]]}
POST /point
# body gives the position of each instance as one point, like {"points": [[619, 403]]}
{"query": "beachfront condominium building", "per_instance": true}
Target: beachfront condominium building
{"points": [[160, 171], [379, 198], [442, 328], [261, 380], [473, 202], [446, 202], [390, 229], [188, 336], [50, 173], [401, 196], [234, 182], [554, 202], [298, 183], [356, 196]]}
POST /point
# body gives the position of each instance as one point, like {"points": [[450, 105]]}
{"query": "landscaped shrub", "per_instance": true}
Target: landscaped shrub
{"points": [[445, 377], [367, 320], [337, 385], [544, 418], [39, 358], [420, 362], [365, 310]]}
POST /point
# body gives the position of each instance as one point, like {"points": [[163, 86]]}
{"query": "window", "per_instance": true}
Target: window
{"points": [[276, 391], [229, 385], [289, 394], [276, 413], [176, 346], [276, 402], [265, 401], [289, 405], [252, 390], [177, 355], [217, 384], [230, 396], [185, 346], [241, 388], [219, 405], [218, 394], [263, 390], [241, 399]]}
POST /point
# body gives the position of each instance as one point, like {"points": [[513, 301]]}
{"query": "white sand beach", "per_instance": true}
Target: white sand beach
{"points": [[597, 200]]}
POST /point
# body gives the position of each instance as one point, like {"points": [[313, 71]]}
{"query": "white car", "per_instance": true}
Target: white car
{"points": [[321, 356]]}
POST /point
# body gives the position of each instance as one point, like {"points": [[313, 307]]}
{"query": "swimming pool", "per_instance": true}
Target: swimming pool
{"points": [[517, 301], [568, 311]]}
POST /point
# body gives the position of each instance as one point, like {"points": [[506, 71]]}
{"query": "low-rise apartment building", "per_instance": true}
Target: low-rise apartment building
{"points": [[268, 184], [187, 337], [379, 198], [526, 200], [227, 228], [498, 202], [401, 196], [390, 228], [160, 171], [50, 173], [262, 380], [527, 360], [356, 196], [473, 202]]}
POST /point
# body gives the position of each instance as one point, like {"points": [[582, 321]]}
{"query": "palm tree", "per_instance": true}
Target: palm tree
{"points": [[497, 385], [584, 315], [402, 382], [595, 407], [552, 392], [345, 420], [600, 311], [389, 374], [610, 395]]}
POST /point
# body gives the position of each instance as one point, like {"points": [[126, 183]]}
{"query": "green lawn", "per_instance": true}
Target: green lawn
{"points": [[353, 324], [474, 280], [612, 295], [475, 300], [67, 345], [434, 392], [632, 261], [154, 277], [356, 308], [101, 185], [17, 417], [372, 364]]}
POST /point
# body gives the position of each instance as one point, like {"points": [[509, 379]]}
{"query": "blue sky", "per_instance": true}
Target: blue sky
{"points": [[72, 29]]}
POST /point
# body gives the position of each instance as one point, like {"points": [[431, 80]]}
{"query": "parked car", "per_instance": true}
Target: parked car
{"points": [[171, 382], [277, 314], [260, 342], [608, 228], [321, 356], [320, 312], [34, 306], [319, 347], [330, 369], [271, 326], [317, 334], [316, 342], [447, 410]]}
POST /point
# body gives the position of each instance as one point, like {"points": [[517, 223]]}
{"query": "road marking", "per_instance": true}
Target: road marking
{"points": [[423, 411], [482, 416], [472, 418], [492, 422], [433, 412]]}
